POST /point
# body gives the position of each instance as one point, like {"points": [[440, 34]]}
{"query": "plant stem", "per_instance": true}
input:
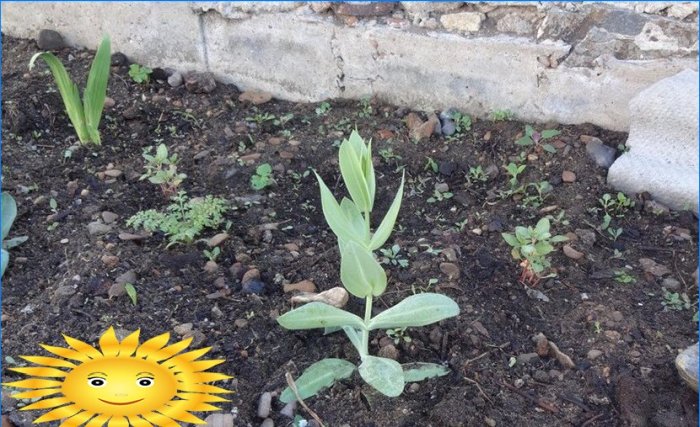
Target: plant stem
{"points": [[365, 332]]}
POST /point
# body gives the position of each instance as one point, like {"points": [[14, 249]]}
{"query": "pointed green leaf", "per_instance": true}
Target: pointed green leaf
{"points": [[542, 226], [529, 130], [9, 213], [416, 310], [522, 234], [69, 93], [383, 232], [353, 176], [370, 179], [525, 140], [385, 375], [15, 241], [543, 248], [318, 376], [557, 239], [319, 315], [510, 239], [333, 213], [360, 273], [549, 133], [96, 89], [353, 217], [549, 148], [419, 371]]}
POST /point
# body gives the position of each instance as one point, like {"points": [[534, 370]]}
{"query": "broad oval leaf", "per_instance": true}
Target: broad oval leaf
{"points": [[350, 163], [542, 226], [382, 233], [333, 213], [9, 213], [549, 133], [4, 260], [320, 375], [416, 310], [353, 218], [360, 273], [319, 315], [419, 371], [510, 239], [385, 375]]}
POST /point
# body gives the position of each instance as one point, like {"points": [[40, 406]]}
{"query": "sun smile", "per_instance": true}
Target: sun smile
{"points": [[120, 403]]}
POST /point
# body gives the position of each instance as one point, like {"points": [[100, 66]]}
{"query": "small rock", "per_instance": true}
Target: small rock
{"points": [[131, 236], [448, 127], [50, 40], [556, 375], [264, 404], [601, 154], [495, 225], [198, 337], [289, 409], [175, 79], [363, 8], [119, 59], [542, 344], [447, 168], [518, 383], [413, 388], [612, 336], [253, 286], [561, 357], [490, 421], [131, 113], [240, 323], [617, 316], [219, 420], [541, 376], [217, 240], [109, 102], [450, 254], [450, 270], [200, 82], [183, 328], [110, 261], [211, 267], [303, 286], [572, 253], [267, 422], [527, 358], [687, 365], [109, 217], [96, 228], [113, 173], [442, 187], [671, 284], [587, 237], [116, 290], [654, 268], [127, 277], [568, 177], [255, 97], [389, 351], [252, 274]]}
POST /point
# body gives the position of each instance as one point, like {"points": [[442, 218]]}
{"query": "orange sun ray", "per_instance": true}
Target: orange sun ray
{"points": [[34, 383], [179, 413], [128, 345], [47, 403], [160, 420], [58, 413], [49, 361], [40, 371], [77, 419], [170, 351], [183, 358], [152, 345], [83, 347], [201, 397], [118, 422], [97, 421], [109, 344], [66, 352], [138, 422], [33, 394], [204, 365]]}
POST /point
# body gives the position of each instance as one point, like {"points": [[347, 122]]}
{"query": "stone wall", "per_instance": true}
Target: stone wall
{"points": [[560, 61]]}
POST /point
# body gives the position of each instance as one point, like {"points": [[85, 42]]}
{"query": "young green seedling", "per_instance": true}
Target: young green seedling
{"points": [[84, 116], [140, 74], [262, 177], [161, 170], [536, 138], [363, 277]]}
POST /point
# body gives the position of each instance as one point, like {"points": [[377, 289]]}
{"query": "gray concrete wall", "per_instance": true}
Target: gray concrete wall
{"points": [[565, 62]]}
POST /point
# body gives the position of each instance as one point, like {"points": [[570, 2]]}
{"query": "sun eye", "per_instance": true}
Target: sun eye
{"points": [[144, 382], [97, 382]]}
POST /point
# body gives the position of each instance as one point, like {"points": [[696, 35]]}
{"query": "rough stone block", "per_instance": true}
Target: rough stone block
{"points": [[663, 143], [166, 35], [467, 22], [289, 56]]}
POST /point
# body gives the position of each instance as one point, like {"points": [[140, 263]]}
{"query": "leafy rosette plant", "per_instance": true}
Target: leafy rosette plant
{"points": [[363, 276], [86, 115]]}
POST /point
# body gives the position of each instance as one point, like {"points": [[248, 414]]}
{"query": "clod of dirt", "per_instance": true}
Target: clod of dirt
{"points": [[211, 267], [97, 228], [303, 286], [542, 344], [594, 354], [568, 177], [200, 82], [50, 40], [450, 270], [389, 351], [253, 286], [652, 267], [183, 328], [217, 239], [562, 358], [126, 277], [632, 401]]}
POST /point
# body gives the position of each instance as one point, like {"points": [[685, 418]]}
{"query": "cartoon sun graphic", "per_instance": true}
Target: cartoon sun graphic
{"points": [[121, 384]]}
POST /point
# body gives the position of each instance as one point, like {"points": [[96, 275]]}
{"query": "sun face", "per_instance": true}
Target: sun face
{"points": [[122, 383]]}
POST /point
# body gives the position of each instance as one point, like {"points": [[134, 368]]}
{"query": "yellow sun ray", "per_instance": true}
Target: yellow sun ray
{"points": [[77, 419], [40, 371], [170, 351], [138, 422], [66, 352], [34, 383], [128, 345], [47, 403], [151, 346], [118, 422], [83, 347], [58, 413], [48, 361], [33, 394], [121, 383], [109, 344], [160, 420]]}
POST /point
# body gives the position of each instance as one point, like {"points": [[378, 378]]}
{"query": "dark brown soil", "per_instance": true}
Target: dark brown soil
{"points": [[587, 309]]}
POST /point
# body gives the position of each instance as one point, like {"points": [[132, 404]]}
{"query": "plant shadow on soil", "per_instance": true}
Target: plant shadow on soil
{"points": [[57, 281]]}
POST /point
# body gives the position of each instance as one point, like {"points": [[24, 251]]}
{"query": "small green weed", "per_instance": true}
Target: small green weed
{"points": [[533, 137], [140, 74], [262, 177]]}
